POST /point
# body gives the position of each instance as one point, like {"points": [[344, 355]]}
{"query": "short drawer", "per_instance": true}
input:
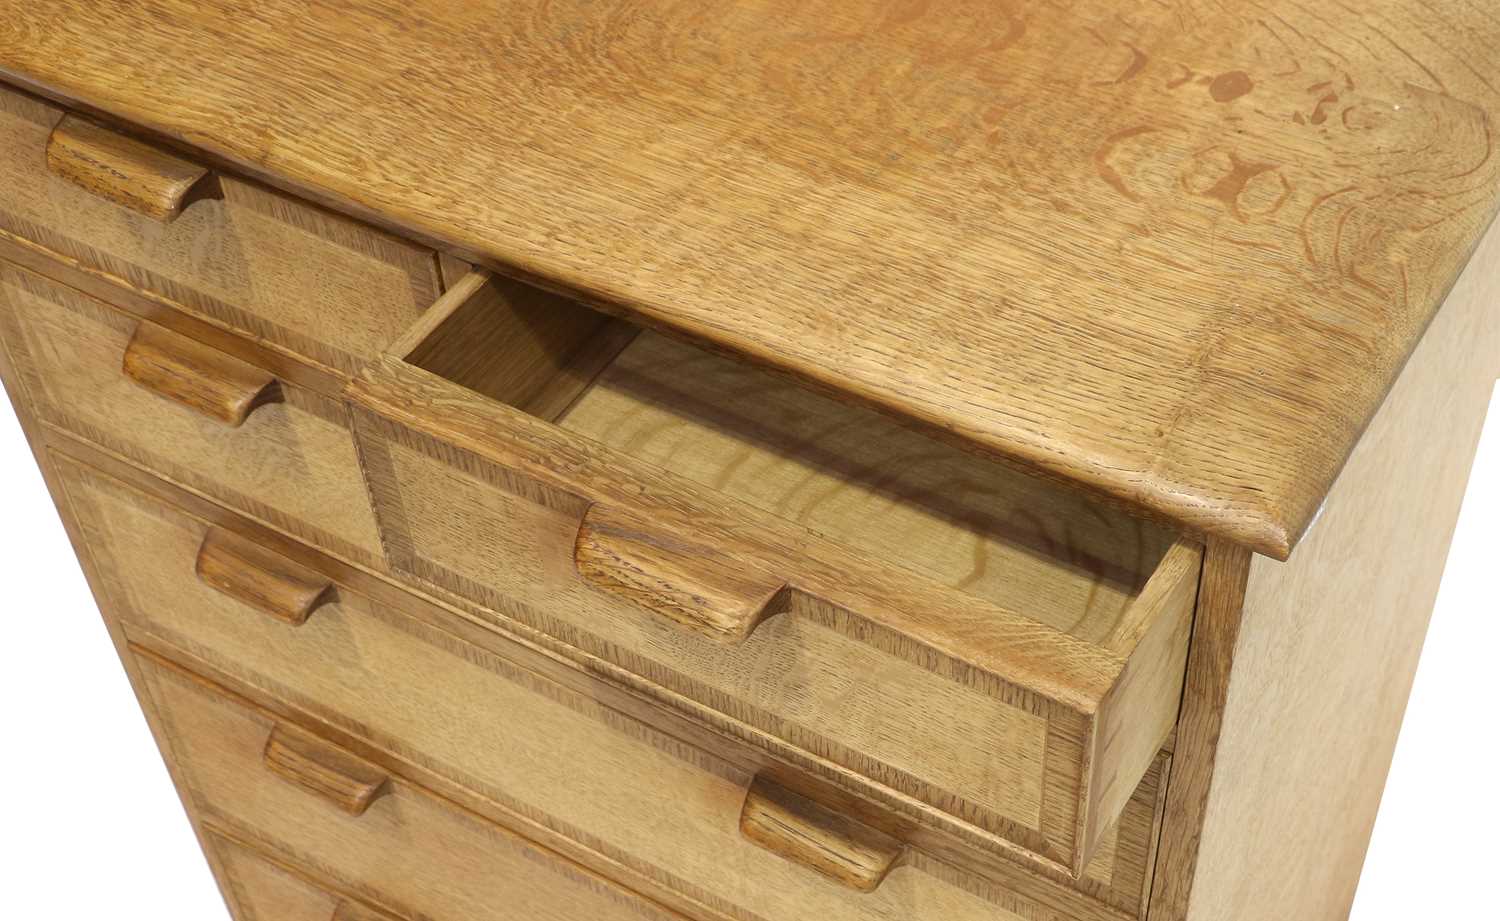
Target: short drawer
{"points": [[554, 756], [212, 423], [854, 591], [274, 269], [401, 846], [265, 889]]}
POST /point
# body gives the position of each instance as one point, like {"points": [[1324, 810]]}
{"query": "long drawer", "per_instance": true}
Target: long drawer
{"points": [[403, 848], [550, 755], [265, 889], [866, 597], [213, 423], [166, 231]]}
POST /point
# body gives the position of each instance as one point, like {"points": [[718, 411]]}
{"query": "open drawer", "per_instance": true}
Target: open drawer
{"points": [[889, 611]]}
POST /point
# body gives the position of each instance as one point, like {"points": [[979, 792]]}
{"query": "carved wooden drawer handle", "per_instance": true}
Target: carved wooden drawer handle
{"points": [[125, 171], [203, 379], [348, 782], [703, 585], [820, 839], [261, 578]]}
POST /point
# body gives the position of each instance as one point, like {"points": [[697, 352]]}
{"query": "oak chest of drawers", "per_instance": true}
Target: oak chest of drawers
{"points": [[708, 463]]}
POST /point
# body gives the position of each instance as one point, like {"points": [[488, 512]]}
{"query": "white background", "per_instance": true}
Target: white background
{"points": [[93, 828]]}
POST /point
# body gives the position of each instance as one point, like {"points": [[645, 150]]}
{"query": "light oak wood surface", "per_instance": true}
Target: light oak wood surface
{"points": [[200, 378], [505, 732], [316, 287], [826, 842], [1175, 251], [291, 463], [758, 461], [323, 770], [1301, 671], [1118, 876], [261, 890], [261, 578], [411, 849], [1077, 641], [125, 171], [38, 439]]}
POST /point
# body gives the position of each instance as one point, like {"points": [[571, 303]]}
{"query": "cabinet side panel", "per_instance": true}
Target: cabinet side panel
{"points": [[1329, 641]]}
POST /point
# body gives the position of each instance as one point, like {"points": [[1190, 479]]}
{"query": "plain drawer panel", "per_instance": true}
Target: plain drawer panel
{"points": [[992, 645], [261, 890], [413, 851], [552, 755], [291, 464], [276, 270]]}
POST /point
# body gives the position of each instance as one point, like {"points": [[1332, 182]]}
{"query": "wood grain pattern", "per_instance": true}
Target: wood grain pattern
{"points": [[1216, 630], [877, 486], [410, 849], [260, 578], [202, 379], [337, 776], [263, 889], [317, 289], [903, 499], [553, 347], [37, 438], [1285, 755], [143, 545], [1175, 251], [460, 482], [292, 464], [280, 363], [124, 170], [431, 702], [353, 911], [825, 842], [641, 798], [706, 587], [1145, 698]]}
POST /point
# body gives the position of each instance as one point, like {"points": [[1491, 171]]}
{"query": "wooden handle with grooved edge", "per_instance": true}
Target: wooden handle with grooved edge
{"points": [[126, 171], [349, 782], [703, 585], [203, 379], [261, 578], [804, 831]]}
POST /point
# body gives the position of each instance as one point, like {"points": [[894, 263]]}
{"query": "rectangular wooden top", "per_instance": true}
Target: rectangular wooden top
{"points": [[1177, 252]]}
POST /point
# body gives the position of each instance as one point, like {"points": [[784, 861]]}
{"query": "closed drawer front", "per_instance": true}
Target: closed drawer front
{"points": [[547, 755], [187, 411], [284, 273], [262, 888], [410, 851], [805, 573]]}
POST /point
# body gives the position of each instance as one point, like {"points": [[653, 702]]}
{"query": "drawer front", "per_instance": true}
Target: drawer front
{"points": [[546, 754], [290, 463], [804, 678], [261, 889], [705, 529], [409, 850], [278, 271]]}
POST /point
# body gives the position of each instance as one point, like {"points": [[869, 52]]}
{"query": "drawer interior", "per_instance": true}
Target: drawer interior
{"points": [[844, 471]]}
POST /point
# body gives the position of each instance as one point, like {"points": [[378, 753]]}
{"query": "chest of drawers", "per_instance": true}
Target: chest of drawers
{"points": [[669, 468]]}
